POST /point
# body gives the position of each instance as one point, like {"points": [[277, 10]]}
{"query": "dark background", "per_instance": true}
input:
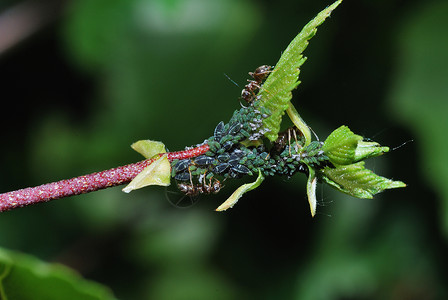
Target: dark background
{"points": [[85, 79]]}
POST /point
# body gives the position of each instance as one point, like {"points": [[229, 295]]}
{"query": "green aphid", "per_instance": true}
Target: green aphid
{"points": [[226, 138], [264, 155], [251, 156], [214, 146], [245, 133]]}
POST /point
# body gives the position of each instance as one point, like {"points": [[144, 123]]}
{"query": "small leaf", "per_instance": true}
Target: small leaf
{"points": [[299, 123], [148, 148], [340, 146], [311, 190], [157, 173], [343, 147], [276, 91], [233, 199], [357, 181], [23, 277], [369, 149]]}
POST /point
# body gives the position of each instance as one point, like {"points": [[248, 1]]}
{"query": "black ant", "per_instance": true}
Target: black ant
{"points": [[252, 88], [203, 188], [285, 137], [196, 189]]}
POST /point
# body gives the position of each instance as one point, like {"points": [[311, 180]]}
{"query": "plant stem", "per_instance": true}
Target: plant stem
{"points": [[86, 183]]}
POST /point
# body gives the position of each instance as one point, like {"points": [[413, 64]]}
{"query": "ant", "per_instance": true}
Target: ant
{"points": [[259, 75], [203, 188], [285, 137]]}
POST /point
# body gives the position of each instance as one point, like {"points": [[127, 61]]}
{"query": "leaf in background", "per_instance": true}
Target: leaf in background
{"points": [[357, 181], [276, 91], [23, 277], [419, 93]]}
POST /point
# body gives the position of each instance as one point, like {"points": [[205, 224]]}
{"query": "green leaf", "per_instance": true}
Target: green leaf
{"points": [[369, 149], [148, 148], [311, 190], [299, 123], [340, 146], [357, 181], [23, 277], [157, 173], [233, 199], [276, 92], [343, 147]]}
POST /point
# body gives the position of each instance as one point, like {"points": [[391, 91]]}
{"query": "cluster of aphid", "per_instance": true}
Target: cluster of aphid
{"points": [[237, 149]]}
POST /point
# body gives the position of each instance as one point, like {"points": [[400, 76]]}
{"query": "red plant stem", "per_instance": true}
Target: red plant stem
{"points": [[86, 183]]}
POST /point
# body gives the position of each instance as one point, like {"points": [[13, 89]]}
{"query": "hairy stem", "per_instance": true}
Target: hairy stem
{"points": [[86, 183]]}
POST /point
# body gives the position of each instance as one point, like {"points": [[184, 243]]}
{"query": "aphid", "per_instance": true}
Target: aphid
{"points": [[204, 160], [214, 146], [221, 168], [241, 169], [237, 154], [219, 129], [223, 157], [234, 162], [182, 165], [227, 145], [184, 176], [235, 128]]}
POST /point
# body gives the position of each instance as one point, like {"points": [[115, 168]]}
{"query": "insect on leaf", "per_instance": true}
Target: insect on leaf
{"points": [[276, 92]]}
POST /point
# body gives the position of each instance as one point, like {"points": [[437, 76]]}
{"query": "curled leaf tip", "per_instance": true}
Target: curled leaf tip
{"points": [[311, 190], [148, 148], [233, 199]]}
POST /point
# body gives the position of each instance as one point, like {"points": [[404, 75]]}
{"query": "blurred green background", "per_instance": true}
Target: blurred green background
{"points": [[90, 77]]}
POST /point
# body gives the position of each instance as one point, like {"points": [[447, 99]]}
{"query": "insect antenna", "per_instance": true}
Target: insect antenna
{"points": [[315, 135], [230, 79], [399, 146]]}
